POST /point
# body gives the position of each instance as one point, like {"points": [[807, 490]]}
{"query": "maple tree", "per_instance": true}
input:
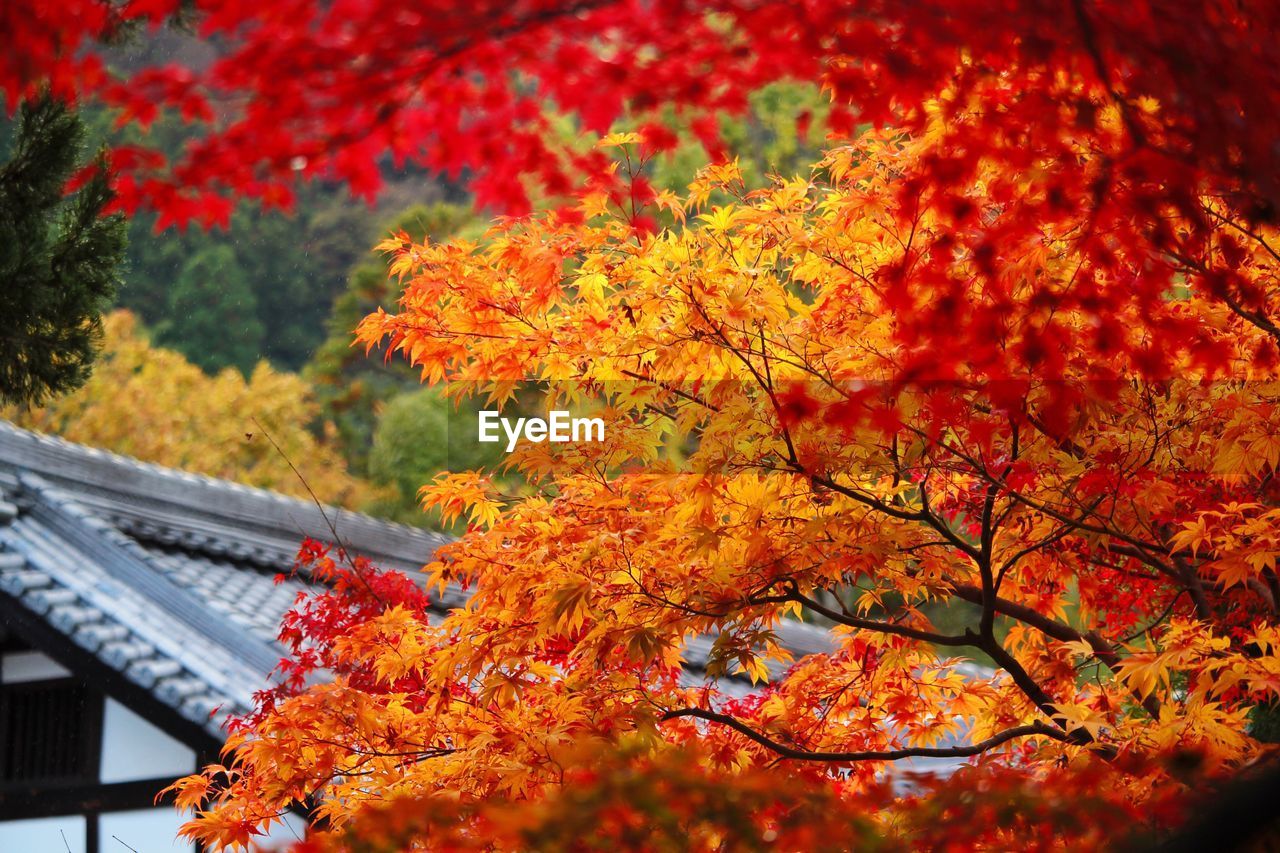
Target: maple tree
{"points": [[312, 88], [1011, 346], [330, 90], [1013, 352], [1115, 534]]}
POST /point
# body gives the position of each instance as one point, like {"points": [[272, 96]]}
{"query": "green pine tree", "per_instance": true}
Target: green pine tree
{"points": [[59, 256], [213, 313]]}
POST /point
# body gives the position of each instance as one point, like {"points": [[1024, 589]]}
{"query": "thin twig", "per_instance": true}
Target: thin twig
{"points": [[345, 550]]}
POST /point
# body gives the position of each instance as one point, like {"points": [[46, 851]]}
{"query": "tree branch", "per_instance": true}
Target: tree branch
{"points": [[1102, 650], [875, 624], [785, 751]]}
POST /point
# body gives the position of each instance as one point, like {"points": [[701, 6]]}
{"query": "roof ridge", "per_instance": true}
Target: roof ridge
{"points": [[10, 432]]}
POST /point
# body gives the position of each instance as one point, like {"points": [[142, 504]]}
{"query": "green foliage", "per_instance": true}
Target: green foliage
{"points": [[766, 140], [293, 265], [352, 386], [418, 435], [293, 262], [59, 257], [214, 313], [1264, 723]]}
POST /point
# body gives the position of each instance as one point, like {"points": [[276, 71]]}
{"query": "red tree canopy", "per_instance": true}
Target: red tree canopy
{"points": [[329, 88], [1128, 127]]}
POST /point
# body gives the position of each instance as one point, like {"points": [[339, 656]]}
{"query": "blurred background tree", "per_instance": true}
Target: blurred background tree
{"points": [[212, 313], [352, 386], [400, 460], [294, 264], [153, 404]]}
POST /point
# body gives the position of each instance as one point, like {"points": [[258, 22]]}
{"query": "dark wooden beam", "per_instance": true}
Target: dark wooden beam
{"points": [[53, 800]]}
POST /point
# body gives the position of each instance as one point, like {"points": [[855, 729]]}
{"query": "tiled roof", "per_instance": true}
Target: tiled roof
{"points": [[168, 578], [230, 590]]}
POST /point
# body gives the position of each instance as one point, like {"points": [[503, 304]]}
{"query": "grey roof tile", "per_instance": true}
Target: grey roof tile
{"points": [[69, 617], [43, 600], [92, 637], [18, 583], [176, 690], [148, 672], [121, 654], [249, 597], [204, 706]]}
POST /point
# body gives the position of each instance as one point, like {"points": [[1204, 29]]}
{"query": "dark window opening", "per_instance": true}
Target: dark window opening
{"points": [[50, 732]]}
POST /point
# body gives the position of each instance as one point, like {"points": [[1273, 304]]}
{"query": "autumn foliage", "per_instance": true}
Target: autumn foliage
{"points": [[996, 381], [152, 404], [324, 89]]}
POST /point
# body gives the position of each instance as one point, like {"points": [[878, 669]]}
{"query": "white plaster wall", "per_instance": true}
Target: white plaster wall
{"points": [[18, 667], [146, 830], [132, 748], [41, 834]]}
